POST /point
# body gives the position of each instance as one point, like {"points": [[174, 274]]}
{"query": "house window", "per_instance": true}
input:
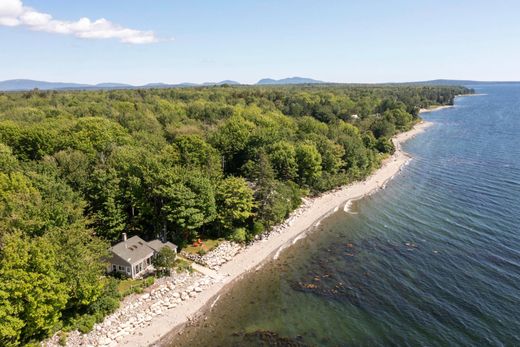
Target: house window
{"points": [[128, 269], [121, 268], [114, 267]]}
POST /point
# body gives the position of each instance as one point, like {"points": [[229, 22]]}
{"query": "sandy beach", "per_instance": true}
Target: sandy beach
{"points": [[163, 328], [435, 108]]}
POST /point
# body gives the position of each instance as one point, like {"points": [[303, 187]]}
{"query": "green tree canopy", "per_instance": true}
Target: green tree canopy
{"points": [[309, 163], [235, 203], [164, 260], [283, 159]]}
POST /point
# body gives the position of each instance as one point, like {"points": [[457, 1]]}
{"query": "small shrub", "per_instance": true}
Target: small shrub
{"points": [[62, 338], [149, 281], [84, 323], [136, 288], [182, 265], [239, 235], [258, 228], [385, 145], [119, 275], [108, 302]]}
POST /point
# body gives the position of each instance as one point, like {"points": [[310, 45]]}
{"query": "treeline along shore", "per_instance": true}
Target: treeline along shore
{"points": [[79, 168], [167, 328]]}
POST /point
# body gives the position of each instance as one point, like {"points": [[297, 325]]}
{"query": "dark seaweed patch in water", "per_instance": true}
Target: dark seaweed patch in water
{"points": [[435, 259], [325, 280], [268, 338], [322, 288], [344, 274]]}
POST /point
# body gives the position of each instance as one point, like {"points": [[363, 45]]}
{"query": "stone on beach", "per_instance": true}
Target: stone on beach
{"points": [[138, 312]]}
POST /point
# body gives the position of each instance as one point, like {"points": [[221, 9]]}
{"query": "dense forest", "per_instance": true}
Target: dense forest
{"points": [[78, 168]]}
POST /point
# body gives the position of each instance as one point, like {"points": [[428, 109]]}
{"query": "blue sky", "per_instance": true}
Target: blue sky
{"points": [[197, 41]]}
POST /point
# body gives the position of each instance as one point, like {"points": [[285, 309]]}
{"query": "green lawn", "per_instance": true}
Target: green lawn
{"points": [[182, 265], [209, 245], [129, 286]]}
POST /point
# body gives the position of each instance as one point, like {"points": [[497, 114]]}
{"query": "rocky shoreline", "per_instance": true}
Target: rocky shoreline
{"points": [[138, 310], [147, 318], [225, 251]]}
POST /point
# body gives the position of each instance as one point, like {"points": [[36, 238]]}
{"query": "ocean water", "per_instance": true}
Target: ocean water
{"points": [[432, 260]]}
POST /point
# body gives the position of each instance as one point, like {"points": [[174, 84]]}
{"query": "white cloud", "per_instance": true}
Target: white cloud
{"points": [[14, 13], [9, 12]]}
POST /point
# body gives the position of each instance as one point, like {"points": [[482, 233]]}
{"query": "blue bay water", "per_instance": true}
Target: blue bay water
{"points": [[432, 260]]}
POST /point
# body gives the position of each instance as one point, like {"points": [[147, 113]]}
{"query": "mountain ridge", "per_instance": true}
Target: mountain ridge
{"points": [[289, 80], [29, 84]]}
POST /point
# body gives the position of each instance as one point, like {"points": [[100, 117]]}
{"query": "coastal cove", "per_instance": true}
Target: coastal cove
{"points": [[423, 262]]}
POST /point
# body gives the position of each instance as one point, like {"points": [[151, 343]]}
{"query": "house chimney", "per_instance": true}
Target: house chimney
{"points": [[124, 237]]}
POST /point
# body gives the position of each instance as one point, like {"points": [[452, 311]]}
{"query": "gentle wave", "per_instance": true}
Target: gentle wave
{"points": [[432, 260]]}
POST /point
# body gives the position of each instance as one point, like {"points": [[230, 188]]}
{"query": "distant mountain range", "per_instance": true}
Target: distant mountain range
{"points": [[25, 84], [30, 84], [290, 80]]}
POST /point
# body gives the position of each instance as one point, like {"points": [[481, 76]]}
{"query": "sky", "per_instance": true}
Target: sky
{"points": [[171, 41]]}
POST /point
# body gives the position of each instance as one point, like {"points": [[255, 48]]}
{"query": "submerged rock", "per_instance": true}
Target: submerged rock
{"points": [[270, 338]]}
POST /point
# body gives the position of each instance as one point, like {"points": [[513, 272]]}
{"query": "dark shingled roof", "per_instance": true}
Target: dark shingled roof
{"points": [[133, 250]]}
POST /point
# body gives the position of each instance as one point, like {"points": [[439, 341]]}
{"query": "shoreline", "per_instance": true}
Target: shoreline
{"points": [[157, 316], [435, 108], [164, 328]]}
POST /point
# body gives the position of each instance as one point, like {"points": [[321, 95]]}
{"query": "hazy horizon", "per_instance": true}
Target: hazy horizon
{"points": [[345, 42], [201, 83]]}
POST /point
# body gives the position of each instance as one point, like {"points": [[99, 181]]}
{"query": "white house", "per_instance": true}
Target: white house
{"points": [[133, 256]]}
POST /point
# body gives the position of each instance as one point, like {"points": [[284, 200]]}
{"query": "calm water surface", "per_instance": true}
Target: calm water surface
{"points": [[432, 260]]}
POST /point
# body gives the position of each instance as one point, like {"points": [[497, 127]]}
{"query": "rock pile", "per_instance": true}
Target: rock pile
{"points": [[138, 311], [223, 253]]}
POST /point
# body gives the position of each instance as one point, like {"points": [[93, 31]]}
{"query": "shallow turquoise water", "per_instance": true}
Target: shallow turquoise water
{"points": [[432, 260]]}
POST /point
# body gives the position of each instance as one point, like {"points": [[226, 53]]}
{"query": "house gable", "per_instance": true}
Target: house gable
{"points": [[117, 260]]}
